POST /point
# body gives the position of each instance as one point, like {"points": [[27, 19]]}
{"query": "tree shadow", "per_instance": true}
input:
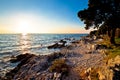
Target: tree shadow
{"points": [[116, 72], [117, 45]]}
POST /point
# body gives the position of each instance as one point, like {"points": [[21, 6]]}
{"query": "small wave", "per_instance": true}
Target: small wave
{"points": [[5, 53]]}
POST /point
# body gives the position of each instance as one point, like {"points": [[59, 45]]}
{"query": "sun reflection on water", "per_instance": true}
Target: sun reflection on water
{"points": [[25, 43]]}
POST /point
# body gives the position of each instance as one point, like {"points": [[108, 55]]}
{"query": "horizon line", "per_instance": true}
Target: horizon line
{"points": [[45, 33]]}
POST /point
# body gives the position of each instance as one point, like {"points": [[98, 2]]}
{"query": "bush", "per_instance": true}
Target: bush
{"points": [[59, 65]]}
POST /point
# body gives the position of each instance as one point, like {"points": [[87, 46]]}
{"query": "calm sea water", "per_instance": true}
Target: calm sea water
{"points": [[15, 44]]}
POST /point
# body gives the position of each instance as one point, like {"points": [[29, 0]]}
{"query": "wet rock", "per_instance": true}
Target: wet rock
{"points": [[75, 42], [23, 58], [32, 67], [57, 45], [62, 41], [54, 46]]}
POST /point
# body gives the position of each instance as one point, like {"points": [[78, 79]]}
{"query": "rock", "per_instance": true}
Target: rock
{"points": [[57, 76], [23, 58], [101, 47], [56, 45], [63, 42], [101, 76], [59, 44], [51, 76], [94, 37], [110, 71], [32, 67], [88, 70], [112, 62], [75, 42]]}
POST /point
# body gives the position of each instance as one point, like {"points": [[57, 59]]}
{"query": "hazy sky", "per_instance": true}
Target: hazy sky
{"points": [[41, 16]]}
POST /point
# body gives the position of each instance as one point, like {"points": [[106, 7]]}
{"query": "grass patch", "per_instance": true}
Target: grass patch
{"points": [[106, 41], [113, 50], [117, 40], [112, 53], [116, 50]]}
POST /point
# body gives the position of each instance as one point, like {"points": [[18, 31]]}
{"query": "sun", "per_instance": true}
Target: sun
{"points": [[31, 23], [24, 27], [24, 34]]}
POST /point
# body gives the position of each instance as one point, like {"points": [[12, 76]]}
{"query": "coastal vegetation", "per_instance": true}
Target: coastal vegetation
{"points": [[60, 66], [102, 14], [112, 53]]}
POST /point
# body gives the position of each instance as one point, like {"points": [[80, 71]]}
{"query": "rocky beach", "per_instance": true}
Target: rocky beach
{"points": [[73, 62], [60, 40]]}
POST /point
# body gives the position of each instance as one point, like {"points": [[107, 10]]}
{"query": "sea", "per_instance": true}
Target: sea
{"points": [[15, 44]]}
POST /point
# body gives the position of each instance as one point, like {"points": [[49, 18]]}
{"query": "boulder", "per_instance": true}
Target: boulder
{"points": [[60, 44], [21, 57], [56, 45]]}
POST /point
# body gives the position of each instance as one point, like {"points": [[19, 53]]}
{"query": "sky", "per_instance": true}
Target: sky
{"points": [[41, 16]]}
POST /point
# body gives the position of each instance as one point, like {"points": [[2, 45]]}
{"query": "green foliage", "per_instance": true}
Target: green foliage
{"points": [[59, 65], [102, 29], [113, 53], [117, 40], [102, 13]]}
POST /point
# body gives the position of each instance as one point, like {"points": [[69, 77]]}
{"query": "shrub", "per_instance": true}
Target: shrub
{"points": [[59, 65]]}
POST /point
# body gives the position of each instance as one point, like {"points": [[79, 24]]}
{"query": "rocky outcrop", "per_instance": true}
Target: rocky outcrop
{"points": [[32, 67], [109, 71], [82, 66], [60, 44], [113, 66], [23, 59], [56, 45]]}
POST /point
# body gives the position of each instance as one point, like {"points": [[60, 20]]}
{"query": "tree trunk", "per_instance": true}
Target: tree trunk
{"points": [[112, 36], [109, 33]]}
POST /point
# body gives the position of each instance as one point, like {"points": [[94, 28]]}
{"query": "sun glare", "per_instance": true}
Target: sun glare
{"points": [[24, 34], [23, 26]]}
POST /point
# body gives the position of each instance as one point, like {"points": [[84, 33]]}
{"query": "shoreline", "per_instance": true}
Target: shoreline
{"points": [[13, 45], [78, 57]]}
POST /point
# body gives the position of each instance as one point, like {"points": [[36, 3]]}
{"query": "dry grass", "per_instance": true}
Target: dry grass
{"points": [[59, 65]]}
